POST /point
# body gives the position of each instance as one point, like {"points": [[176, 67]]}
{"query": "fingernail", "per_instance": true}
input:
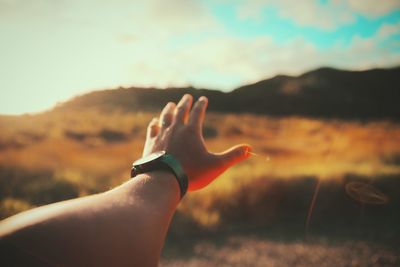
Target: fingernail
{"points": [[186, 98], [203, 99], [247, 150]]}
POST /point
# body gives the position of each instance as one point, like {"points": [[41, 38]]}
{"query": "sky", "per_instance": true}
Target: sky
{"points": [[52, 50]]}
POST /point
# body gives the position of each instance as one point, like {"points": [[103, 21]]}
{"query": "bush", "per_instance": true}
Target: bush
{"points": [[34, 187]]}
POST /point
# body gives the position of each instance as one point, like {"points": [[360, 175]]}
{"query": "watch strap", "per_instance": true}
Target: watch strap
{"points": [[164, 162], [173, 165]]}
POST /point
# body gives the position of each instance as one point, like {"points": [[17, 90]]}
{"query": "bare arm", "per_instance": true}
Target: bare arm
{"points": [[125, 226]]}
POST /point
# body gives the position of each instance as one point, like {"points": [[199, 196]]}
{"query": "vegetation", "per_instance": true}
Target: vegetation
{"points": [[61, 155]]}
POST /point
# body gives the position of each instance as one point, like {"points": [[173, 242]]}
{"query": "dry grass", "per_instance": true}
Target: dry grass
{"points": [[94, 151], [253, 251], [55, 156]]}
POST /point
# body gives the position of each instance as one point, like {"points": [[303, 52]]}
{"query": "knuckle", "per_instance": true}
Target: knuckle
{"points": [[168, 131], [192, 123], [173, 125], [180, 108], [167, 117], [152, 126], [191, 128], [197, 107]]}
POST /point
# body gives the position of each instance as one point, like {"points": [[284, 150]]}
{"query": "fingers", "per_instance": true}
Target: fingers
{"points": [[180, 113], [234, 155], [153, 128], [183, 108], [196, 118], [167, 115]]}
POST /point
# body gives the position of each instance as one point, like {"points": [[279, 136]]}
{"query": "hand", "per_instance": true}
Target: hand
{"points": [[178, 131]]}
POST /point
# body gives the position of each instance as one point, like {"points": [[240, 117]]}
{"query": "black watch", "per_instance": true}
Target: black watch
{"points": [[161, 160]]}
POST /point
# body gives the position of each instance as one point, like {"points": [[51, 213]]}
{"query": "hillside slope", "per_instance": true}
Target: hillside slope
{"points": [[325, 92]]}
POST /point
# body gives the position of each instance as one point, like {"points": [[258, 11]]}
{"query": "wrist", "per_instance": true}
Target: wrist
{"points": [[160, 160], [158, 184]]}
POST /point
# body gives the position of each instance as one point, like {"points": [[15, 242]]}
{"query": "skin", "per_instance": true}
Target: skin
{"points": [[127, 225]]}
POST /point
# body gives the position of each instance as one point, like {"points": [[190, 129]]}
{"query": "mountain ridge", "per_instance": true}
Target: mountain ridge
{"points": [[323, 93]]}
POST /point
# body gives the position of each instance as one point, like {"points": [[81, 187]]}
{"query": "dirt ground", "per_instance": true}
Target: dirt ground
{"points": [[253, 251]]}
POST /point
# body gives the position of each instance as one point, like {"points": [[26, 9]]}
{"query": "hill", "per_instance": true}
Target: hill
{"points": [[325, 93]]}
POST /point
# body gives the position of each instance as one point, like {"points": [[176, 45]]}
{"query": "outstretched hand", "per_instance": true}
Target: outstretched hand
{"points": [[131, 220], [178, 131]]}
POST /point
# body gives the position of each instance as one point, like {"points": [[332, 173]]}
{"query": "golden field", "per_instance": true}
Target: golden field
{"points": [[54, 156]]}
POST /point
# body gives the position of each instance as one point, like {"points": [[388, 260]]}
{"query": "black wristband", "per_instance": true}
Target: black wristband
{"points": [[175, 167], [162, 161]]}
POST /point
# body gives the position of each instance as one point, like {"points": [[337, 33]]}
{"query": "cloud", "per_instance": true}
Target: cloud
{"points": [[371, 8], [61, 48], [387, 30], [327, 16], [225, 62], [157, 18], [304, 13]]}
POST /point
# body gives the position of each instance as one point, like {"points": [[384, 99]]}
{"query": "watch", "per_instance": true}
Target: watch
{"points": [[161, 160]]}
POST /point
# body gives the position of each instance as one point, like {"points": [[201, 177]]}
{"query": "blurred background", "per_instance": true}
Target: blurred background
{"points": [[313, 86]]}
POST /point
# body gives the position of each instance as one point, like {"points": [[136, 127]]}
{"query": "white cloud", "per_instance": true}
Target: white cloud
{"points": [[226, 62], [67, 47], [61, 48], [372, 8], [388, 29], [313, 13], [304, 13], [166, 19]]}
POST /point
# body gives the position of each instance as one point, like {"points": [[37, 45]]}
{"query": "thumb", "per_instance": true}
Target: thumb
{"points": [[234, 154]]}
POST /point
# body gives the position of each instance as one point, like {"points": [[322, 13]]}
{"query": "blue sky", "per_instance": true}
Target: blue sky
{"points": [[52, 50], [283, 29]]}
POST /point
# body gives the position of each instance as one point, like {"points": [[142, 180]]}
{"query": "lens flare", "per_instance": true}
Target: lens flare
{"points": [[366, 193]]}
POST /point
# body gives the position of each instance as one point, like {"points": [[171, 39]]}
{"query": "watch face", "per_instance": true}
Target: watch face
{"points": [[149, 158]]}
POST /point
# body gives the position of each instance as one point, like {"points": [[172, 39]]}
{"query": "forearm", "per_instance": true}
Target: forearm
{"points": [[127, 225], [124, 226]]}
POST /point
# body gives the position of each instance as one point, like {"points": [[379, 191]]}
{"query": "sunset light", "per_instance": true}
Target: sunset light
{"points": [[52, 50]]}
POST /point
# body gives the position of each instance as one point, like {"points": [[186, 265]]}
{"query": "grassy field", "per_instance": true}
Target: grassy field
{"points": [[251, 250], [253, 214]]}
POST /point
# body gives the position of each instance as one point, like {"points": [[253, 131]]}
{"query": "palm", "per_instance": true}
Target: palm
{"points": [[179, 132]]}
